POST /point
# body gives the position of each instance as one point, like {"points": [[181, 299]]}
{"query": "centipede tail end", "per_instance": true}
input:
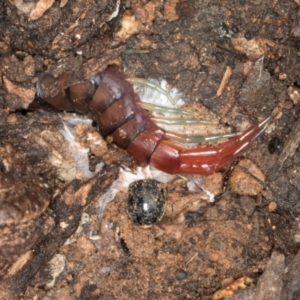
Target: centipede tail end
{"points": [[209, 160]]}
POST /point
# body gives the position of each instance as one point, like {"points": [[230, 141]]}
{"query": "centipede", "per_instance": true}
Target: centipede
{"points": [[110, 100]]}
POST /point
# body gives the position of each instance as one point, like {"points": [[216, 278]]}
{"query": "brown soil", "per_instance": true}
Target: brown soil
{"points": [[54, 242]]}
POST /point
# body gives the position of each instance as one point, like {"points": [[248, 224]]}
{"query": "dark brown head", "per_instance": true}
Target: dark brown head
{"points": [[52, 91]]}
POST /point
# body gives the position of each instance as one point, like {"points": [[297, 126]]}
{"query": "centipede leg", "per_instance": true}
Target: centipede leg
{"points": [[163, 109], [197, 139], [151, 84], [135, 51], [174, 111], [180, 121]]}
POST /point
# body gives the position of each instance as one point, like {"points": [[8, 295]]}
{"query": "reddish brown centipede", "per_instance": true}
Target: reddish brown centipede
{"points": [[109, 99]]}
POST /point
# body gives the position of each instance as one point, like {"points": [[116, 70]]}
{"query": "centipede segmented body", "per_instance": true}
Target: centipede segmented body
{"points": [[109, 99]]}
